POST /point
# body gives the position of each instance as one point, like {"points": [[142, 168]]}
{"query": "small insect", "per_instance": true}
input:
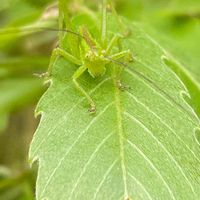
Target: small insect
{"points": [[88, 54], [94, 57]]}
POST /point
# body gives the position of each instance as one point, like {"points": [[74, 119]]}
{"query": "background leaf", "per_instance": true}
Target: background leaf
{"points": [[21, 57], [141, 144], [16, 93]]}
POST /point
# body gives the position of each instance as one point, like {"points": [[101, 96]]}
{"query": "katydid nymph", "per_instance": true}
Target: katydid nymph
{"points": [[94, 57]]}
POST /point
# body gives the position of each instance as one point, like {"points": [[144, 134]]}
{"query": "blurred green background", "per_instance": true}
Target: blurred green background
{"points": [[175, 24]]}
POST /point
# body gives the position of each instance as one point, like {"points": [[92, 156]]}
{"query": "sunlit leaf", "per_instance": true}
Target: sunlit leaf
{"points": [[140, 144]]}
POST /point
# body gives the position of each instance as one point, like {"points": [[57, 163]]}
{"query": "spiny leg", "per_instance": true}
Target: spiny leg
{"points": [[128, 57], [60, 52], [112, 43], [76, 75]]}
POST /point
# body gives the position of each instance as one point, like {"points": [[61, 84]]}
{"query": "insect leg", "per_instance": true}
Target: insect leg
{"points": [[124, 54], [60, 52], [76, 75], [128, 57], [112, 43]]}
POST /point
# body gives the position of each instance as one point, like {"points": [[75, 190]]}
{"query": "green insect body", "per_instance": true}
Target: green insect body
{"points": [[95, 63], [93, 57]]}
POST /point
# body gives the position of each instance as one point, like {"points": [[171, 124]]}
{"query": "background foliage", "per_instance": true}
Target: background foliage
{"points": [[175, 24]]}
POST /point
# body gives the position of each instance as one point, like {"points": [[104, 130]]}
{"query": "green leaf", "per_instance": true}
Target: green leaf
{"points": [[182, 42], [140, 144]]}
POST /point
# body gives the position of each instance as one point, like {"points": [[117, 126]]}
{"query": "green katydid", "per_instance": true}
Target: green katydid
{"points": [[94, 57]]}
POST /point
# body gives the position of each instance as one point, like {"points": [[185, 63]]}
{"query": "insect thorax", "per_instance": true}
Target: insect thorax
{"points": [[95, 63]]}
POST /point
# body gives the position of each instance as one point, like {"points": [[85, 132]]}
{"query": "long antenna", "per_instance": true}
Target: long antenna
{"points": [[152, 83], [36, 29]]}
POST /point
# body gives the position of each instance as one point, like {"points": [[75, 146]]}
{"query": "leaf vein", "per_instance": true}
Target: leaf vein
{"points": [[160, 119], [163, 147], [73, 144], [121, 143], [103, 179], [88, 162], [161, 93], [153, 167], [67, 113], [140, 184]]}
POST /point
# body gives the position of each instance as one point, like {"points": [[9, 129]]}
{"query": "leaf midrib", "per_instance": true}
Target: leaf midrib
{"points": [[120, 134], [120, 114]]}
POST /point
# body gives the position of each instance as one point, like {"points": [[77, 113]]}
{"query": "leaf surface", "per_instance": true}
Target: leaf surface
{"points": [[183, 43], [141, 144]]}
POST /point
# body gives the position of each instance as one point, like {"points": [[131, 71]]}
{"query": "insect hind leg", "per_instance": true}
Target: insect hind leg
{"points": [[112, 43]]}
